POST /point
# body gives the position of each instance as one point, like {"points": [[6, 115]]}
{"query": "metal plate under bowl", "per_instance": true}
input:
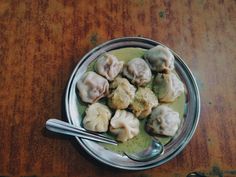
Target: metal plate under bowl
{"points": [[171, 149]]}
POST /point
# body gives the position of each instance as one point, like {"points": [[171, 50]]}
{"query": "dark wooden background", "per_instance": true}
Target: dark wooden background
{"points": [[42, 41]]}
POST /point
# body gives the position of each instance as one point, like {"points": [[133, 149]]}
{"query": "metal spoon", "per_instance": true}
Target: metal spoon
{"points": [[154, 150], [62, 127], [150, 153]]}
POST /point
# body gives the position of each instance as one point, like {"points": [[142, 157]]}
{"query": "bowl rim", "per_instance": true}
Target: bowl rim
{"points": [[195, 87]]}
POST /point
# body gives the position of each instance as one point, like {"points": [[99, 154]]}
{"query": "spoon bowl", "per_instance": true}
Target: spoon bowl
{"points": [[151, 152]]}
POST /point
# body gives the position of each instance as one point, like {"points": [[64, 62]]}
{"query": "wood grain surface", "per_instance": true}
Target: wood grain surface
{"points": [[42, 41]]}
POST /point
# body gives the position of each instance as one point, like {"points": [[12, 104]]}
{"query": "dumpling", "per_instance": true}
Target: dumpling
{"points": [[160, 59], [124, 125], [138, 71], [122, 93], [92, 87], [108, 66], [167, 87], [143, 102], [163, 121], [97, 118]]}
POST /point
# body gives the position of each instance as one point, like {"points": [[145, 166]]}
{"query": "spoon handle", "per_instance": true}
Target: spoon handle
{"points": [[62, 127]]}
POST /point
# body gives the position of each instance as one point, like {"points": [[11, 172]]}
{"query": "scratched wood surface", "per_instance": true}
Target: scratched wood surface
{"points": [[42, 41]]}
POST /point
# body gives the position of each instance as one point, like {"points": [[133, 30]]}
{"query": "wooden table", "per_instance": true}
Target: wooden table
{"points": [[42, 41]]}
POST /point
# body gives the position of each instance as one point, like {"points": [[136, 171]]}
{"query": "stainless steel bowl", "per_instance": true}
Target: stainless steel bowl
{"points": [[171, 149]]}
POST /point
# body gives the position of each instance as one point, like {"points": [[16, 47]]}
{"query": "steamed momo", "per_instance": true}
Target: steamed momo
{"points": [[167, 87], [143, 102], [124, 125], [108, 66], [122, 93], [138, 71], [92, 87], [160, 59], [97, 118], [163, 121]]}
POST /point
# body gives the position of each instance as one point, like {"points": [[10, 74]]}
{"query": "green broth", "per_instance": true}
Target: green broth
{"points": [[142, 140]]}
